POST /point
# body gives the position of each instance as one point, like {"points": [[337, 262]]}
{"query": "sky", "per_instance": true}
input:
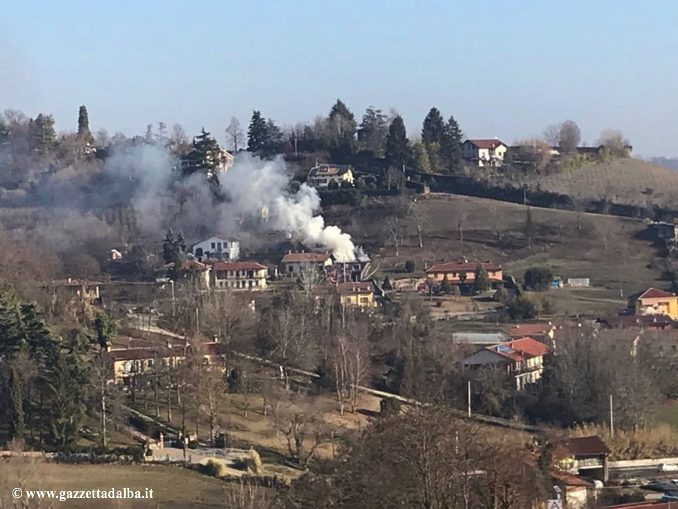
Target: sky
{"points": [[504, 69]]}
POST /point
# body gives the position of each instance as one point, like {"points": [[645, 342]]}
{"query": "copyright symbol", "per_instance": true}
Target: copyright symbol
{"points": [[16, 493]]}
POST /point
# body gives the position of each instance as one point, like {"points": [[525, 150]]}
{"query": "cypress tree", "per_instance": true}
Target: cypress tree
{"points": [[84, 133]]}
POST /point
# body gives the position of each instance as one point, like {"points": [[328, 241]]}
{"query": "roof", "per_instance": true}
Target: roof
{"points": [[130, 354], [305, 258], [529, 329], [491, 143], [327, 170], [585, 446], [354, 288], [189, 265], [462, 267], [655, 293], [479, 338], [238, 266], [520, 349], [653, 504]]}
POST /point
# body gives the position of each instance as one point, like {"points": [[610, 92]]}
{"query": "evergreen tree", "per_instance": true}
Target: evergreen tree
{"points": [[205, 157], [373, 131], [42, 135], [257, 133], [529, 228], [481, 280], [451, 145], [433, 129], [105, 329], [420, 154], [386, 285], [173, 249], [341, 129], [397, 145], [445, 286], [84, 134]]}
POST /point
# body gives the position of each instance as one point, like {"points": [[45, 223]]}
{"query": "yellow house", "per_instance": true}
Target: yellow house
{"points": [[657, 302], [359, 294], [323, 175], [239, 275], [464, 272]]}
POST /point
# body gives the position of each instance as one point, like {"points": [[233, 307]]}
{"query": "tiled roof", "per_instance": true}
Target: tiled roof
{"points": [[529, 329], [585, 446], [238, 266], [487, 143], [326, 170], [305, 257], [655, 293], [355, 288], [529, 347], [462, 267]]}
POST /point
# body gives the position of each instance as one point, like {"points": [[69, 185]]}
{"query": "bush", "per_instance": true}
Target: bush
{"points": [[410, 266], [538, 279], [521, 308], [501, 295], [212, 468], [389, 407]]}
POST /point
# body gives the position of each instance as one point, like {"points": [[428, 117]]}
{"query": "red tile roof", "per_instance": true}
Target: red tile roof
{"points": [[487, 143], [529, 347], [305, 258], [654, 504], [529, 329], [238, 266], [655, 293], [355, 288], [462, 267]]}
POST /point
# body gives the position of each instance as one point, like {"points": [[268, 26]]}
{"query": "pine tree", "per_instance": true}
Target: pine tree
{"points": [[205, 157], [433, 129], [451, 145], [84, 134], [386, 285], [341, 126], [398, 151], [481, 279], [257, 133], [373, 131], [42, 135], [105, 329]]}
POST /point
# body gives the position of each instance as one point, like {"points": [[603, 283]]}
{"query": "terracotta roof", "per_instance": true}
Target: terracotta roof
{"points": [[354, 288], [528, 347], [487, 143], [529, 329], [585, 446], [326, 170], [462, 267], [305, 257], [238, 266], [568, 479], [655, 293], [653, 504]]}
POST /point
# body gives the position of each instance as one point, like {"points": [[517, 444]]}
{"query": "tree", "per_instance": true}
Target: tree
{"points": [[521, 308], [373, 131], [105, 329], [173, 249], [538, 278], [341, 131], [551, 135], [570, 136], [529, 227], [481, 280], [234, 135], [433, 128], [42, 134], [386, 285], [420, 154], [205, 157], [615, 142], [445, 286], [397, 145], [257, 133], [451, 145], [84, 134], [178, 142]]}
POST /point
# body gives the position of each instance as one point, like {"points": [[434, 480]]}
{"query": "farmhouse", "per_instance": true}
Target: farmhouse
{"points": [[655, 302], [295, 264], [360, 294], [322, 175], [580, 454], [217, 248], [239, 276], [484, 152], [458, 273], [522, 358]]}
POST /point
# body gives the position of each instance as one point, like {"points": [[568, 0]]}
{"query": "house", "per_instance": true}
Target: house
{"points": [[217, 248], [462, 272], [322, 175], [360, 294], [125, 363], [225, 161], [583, 455], [191, 272], [544, 332], [649, 504], [296, 264], [484, 152], [239, 276], [522, 358], [655, 302], [577, 492]]}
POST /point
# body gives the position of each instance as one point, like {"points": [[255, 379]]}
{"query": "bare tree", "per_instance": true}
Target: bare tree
{"points": [[551, 135], [615, 142], [234, 135], [303, 428], [570, 136]]}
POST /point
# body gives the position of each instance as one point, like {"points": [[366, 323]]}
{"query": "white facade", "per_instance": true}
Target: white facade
{"points": [[217, 248], [484, 153]]}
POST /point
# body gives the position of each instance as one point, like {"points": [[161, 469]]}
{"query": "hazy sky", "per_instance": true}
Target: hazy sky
{"points": [[502, 68]]}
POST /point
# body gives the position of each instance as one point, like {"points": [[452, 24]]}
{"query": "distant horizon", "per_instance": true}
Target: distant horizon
{"points": [[502, 69]]}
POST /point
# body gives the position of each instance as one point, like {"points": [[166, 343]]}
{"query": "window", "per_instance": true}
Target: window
{"points": [[218, 246], [364, 300], [213, 245]]}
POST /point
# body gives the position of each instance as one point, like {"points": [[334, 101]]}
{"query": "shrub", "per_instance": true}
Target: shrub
{"points": [[501, 295], [410, 266], [538, 278], [521, 308], [212, 468], [389, 407]]}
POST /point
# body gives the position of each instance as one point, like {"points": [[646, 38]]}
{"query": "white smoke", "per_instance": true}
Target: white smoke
{"points": [[253, 185]]}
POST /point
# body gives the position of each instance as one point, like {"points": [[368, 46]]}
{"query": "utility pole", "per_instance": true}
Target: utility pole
{"points": [[468, 397], [611, 417], [173, 303]]}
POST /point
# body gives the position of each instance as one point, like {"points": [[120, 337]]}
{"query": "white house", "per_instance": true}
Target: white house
{"points": [[239, 275], [295, 264], [217, 248], [482, 153], [323, 175]]}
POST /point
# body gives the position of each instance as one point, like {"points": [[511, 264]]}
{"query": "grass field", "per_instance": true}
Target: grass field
{"points": [[669, 414], [614, 252], [628, 181], [173, 487]]}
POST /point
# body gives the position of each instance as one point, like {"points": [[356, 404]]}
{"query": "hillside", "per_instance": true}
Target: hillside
{"points": [[626, 181], [614, 252]]}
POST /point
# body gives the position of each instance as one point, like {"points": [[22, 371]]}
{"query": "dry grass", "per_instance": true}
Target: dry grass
{"points": [[656, 442], [628, 181], [173, 487]]}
